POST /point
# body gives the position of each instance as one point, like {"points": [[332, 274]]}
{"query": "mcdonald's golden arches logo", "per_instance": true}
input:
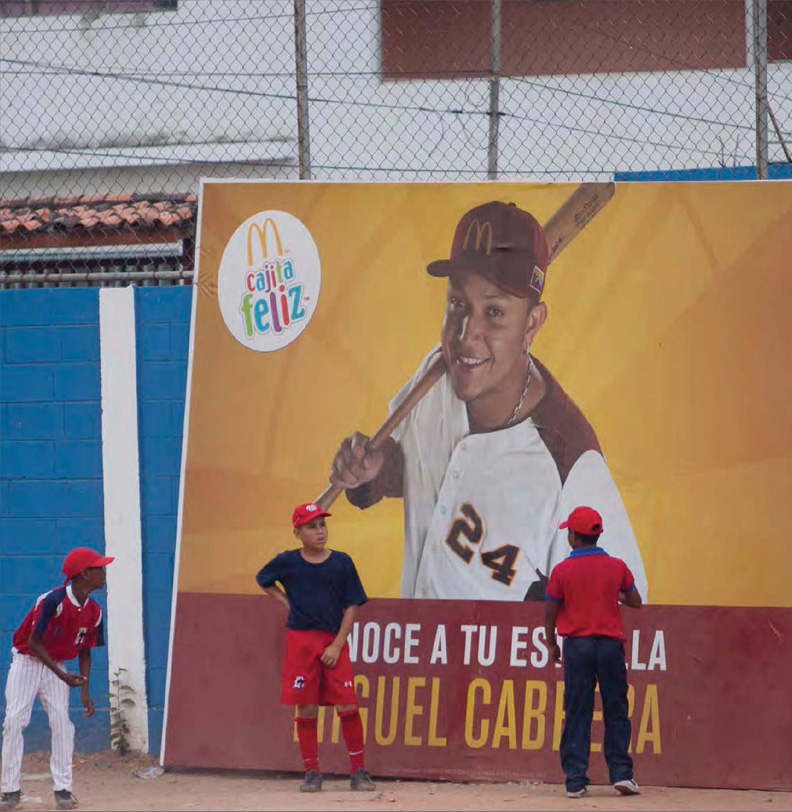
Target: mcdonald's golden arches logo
{"points": [[482, 230], [262, 238]]}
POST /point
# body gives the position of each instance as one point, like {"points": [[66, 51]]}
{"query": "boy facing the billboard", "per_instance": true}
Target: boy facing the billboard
{"points": [[583, 596]]}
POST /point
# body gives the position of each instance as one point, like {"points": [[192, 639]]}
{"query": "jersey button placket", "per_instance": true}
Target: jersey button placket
{"points": [[447, 497], [449, 493]]}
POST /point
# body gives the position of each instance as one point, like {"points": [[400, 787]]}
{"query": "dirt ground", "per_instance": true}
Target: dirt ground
{"points": [[104, 781]]}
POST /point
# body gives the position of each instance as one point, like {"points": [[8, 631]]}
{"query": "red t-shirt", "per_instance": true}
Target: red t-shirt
{"points": [[65, 626], [587, 585]]}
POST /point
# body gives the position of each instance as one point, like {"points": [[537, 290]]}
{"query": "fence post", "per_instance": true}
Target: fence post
{"points": [[759, 31], [495, 70], [301, 63]]}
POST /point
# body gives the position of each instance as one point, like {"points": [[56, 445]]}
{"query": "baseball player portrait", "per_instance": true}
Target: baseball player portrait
{"points": [[495, 454]]}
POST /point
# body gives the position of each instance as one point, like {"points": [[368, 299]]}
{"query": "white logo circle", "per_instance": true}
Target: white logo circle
{"points": [[269, 280]]}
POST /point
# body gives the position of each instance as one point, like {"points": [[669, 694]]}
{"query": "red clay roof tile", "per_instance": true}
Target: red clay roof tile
{"points": [[76, 214]]}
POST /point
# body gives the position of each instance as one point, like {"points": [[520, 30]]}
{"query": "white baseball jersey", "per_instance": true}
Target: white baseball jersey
{"points": [[482, 510]]}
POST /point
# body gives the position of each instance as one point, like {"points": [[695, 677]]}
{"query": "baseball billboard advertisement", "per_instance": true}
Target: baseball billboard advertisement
{"points": [[450, 369]]}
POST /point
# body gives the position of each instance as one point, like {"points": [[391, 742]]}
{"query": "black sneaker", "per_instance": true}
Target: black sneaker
{"points": [[11, 800], [361, 780], [312, 781], [64, 799]]}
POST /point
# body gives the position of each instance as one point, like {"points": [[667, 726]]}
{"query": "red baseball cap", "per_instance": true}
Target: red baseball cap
{"points": [[504, 244], [583, 520], [81, 558], [305, 512]]}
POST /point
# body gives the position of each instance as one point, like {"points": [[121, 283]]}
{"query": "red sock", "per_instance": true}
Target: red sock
{"points": [[352, 727], [309, 748]]}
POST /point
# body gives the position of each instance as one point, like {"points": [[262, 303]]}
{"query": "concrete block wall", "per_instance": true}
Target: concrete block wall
{"points": [[51, 478], [50, 468]]}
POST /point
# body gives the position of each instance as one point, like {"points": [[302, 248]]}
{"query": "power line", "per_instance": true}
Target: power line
{"points": [[364, 105], [346, 167], [148, 159], [680, 65], [629, 105], [224, 74], [187, 22], [348, 9], [132, 75], [334, 167], [376, 73], [466, 171]]}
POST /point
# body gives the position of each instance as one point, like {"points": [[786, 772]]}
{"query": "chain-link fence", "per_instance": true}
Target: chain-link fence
{"points": [[113, 109]]}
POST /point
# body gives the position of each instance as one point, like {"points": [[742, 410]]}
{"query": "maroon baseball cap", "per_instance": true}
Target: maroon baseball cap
{"points": [[584, 520], [82, 558], [502, 243], [305, 512]]}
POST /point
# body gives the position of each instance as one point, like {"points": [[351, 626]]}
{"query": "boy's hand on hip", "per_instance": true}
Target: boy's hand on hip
{"points": [[331, 654], [87, 703], [73, 680]]}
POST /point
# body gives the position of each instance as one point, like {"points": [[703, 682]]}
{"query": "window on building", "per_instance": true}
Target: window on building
{"points": [[38, 8], [451, 39]]}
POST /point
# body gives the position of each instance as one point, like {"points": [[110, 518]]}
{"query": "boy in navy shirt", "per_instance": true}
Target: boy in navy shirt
{"points": [[322, 593], [583, 596]]}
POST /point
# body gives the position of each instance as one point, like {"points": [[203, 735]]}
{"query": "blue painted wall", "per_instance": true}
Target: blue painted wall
{"points": [[163, 330], [50, 469]]}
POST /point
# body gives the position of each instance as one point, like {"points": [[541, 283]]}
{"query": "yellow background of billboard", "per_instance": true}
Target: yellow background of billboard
{"points": [[669, 323]]}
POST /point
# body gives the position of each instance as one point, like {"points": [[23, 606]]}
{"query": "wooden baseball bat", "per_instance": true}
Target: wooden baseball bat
{"points": [[577, 211]]}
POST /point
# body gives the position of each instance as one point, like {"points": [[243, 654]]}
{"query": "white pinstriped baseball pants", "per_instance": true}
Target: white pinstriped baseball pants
{"points": [[27, 678]]}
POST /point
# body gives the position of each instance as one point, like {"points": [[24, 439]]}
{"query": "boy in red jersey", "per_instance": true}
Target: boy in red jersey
{"points": [[583, 596], [64, 623], [322, 593]]}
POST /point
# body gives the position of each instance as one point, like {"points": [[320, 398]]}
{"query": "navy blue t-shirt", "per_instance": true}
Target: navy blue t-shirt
{"points": [[317, 593]]}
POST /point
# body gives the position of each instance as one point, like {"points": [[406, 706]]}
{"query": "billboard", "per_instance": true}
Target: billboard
{"points": [[639, 370]]}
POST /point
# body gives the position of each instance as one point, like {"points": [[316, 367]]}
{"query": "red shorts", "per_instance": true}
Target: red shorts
{"points": [[307, 680]]}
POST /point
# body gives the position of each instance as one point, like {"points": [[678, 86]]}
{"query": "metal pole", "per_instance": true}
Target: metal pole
{"points": [[495, 70], [760, 83], [301, 63]]}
